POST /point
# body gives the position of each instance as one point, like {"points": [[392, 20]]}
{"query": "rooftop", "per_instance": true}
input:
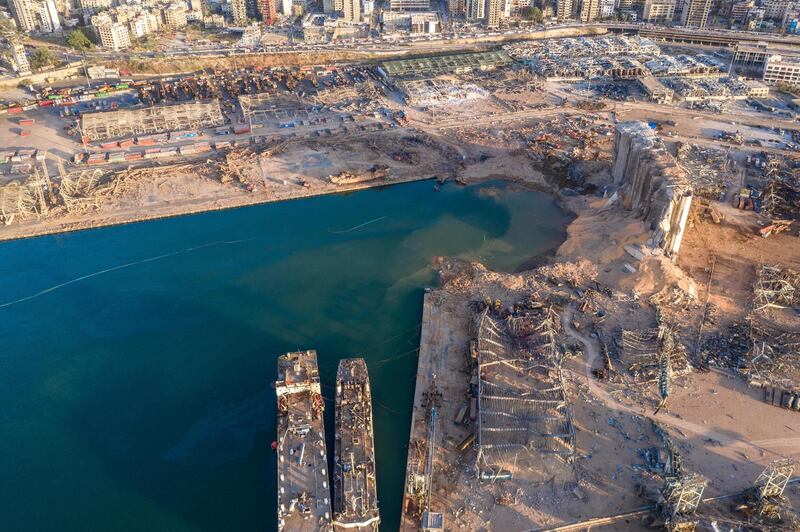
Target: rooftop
{"points": [[446, 64]]}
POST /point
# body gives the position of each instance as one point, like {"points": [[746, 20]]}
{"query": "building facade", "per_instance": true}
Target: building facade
{"points": [[776, 9], [21, 64], [695, 13], [565, 10], [410, 5], [589, 10], [475, 9], [175, 16], [782, 69], [607, 8], [239, 12], [351, 10], [659, 11], [24, 13], [113, 35], [494, 13], [268, 10], [457, 8]]}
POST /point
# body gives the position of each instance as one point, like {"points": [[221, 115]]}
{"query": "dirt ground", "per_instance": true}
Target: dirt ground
{"points": [[723, 429], [301, 169]]}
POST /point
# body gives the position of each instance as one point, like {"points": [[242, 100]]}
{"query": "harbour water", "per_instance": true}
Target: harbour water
{"points": [[137, 361]]}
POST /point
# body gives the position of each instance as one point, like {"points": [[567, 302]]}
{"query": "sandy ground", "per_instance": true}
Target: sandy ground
{"points": [[302, 169], [724, 430]]}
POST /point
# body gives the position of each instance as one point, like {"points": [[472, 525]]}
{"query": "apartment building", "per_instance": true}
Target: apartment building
{"points": [[20, 60], [24, 13], [565, 10], [695, 13], [113, 35], [268, 10], [589, 10], [494, 11], [410, 5], [175, 16], [659, 11], [239, 12], [351, 10]]}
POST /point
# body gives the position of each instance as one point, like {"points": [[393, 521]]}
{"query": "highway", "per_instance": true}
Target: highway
{"points": [[449, 42]]}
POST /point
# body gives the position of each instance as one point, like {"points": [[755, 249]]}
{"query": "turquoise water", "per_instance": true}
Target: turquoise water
{"points": [[136, 361]]}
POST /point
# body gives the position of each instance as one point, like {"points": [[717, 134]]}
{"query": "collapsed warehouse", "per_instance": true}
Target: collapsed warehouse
{"points": [[522, 407], [148, 120], [609, 57], [437, 91], [702, 89]]}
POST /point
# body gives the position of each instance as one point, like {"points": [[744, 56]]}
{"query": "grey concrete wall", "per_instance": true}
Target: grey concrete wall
{"points": [[653, 185]]}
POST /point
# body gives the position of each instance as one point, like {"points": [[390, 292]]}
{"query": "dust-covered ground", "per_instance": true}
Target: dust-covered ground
{"points": [[243, 176], [715, 416]]}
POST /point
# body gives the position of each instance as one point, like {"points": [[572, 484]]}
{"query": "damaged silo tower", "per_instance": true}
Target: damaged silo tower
{"points": [[652, 184]]}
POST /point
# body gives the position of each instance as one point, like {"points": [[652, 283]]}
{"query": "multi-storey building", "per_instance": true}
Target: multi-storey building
{"points": [[776, 9], [565, 10], [457, 8], [143, 23], [494, 13], [410, 5], [113, 35], [175, 16], [351, 10], [475, 9], [589, 10], [21, 64], [49, 16], [239, 12], [268, 10], [607, 8], [739, 11], [782, 69], [659, 11], [24, 13], [695, 13], [94, 5], [332, 6]]}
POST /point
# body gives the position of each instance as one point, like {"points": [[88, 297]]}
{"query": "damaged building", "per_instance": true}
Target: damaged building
{"points": [[652, 184]]}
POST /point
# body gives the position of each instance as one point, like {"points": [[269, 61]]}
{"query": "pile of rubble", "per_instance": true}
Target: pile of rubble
{"points": [[702, 89], [428, 92], [781, 199], [584, 47], [710, 170], [776, 287]]}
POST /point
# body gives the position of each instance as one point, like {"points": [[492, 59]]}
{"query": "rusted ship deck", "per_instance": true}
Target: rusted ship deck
{"points": [[303, 491], [355, 501]]}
